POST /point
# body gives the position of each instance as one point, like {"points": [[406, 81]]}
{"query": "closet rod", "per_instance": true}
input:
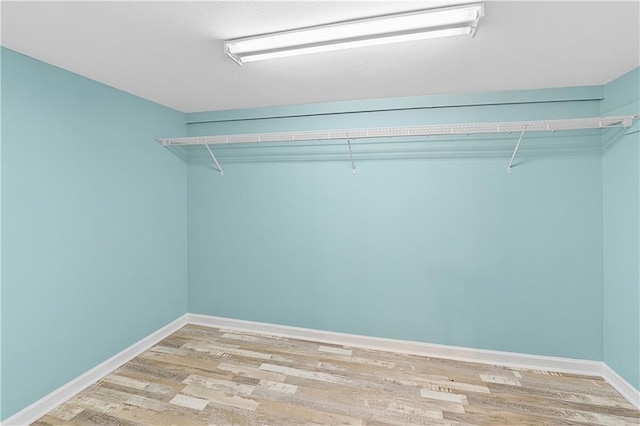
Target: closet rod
{"points": [[409, 131]]}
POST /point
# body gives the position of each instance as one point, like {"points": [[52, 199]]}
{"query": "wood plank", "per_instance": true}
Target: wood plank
{"points": [[207, 376]]}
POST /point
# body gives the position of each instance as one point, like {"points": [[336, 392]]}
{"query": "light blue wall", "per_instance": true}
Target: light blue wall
{"points": [[93, 225], [449, 250], [404, 105], [442, 246], [1, 235], [621, 215]]}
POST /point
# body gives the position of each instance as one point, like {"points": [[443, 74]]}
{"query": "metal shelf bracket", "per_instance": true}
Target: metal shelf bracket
{"points": [[515, 151], [215, 160], [353, 164]]}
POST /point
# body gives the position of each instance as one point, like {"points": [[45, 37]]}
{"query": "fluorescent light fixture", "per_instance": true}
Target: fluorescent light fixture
{"points": [[418, 25]]}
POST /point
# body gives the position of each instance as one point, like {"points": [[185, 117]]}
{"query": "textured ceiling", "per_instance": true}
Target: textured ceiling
{"points": [[171, 52]]}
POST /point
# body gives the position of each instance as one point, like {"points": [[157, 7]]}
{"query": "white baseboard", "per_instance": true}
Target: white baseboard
{"points": [[483, 356], [507, 359], [65, 392], [625, 388]]}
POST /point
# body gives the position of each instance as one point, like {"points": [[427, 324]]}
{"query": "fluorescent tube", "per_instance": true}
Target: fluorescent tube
{"points": [[387, 29]]}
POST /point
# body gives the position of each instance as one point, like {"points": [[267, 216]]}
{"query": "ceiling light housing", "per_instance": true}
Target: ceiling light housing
{"points": [[417, 25]]}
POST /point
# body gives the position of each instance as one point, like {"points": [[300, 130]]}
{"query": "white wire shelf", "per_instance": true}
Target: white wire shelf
{"points": [[408, 131]]}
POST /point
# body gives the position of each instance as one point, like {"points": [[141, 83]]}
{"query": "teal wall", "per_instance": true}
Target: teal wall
{"points": [[441, 248], [93, 225], [106, 236], [1, 416], [621, 215]]}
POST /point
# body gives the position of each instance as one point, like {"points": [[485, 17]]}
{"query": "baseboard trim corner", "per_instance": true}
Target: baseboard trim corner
{"points": [[67, 391], [625, 388], [507, 359]]}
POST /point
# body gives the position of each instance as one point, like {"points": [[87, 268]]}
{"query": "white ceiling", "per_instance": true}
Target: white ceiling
{"points": [[171, 52]]}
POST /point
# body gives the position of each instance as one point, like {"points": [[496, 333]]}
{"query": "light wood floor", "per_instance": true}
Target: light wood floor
{"points": [[208, 376]]}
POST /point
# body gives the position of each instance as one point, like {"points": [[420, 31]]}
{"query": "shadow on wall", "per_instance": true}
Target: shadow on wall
{"points": [[533, 146]]}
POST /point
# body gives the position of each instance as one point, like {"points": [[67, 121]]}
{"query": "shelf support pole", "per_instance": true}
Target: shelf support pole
{"points": [[215, 160], [515, 151], [353, 164]]}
